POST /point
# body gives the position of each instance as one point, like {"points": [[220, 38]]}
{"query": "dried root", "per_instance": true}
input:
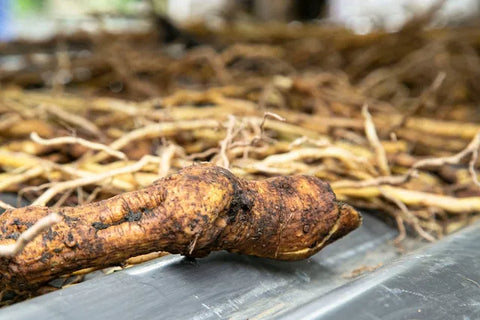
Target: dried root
{"points": [[198, 210]]}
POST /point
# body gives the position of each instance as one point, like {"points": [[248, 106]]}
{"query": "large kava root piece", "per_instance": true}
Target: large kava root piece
{"points": [[198, 210]]}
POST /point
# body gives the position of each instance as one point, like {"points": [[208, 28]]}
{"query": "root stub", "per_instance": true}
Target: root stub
{"points": [[202, 208]]}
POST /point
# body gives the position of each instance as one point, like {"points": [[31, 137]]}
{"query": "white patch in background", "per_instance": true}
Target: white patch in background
{"points": [[183, 10], [363, 16]]}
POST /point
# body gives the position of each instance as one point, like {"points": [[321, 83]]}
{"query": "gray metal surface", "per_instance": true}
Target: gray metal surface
{"points": [[440, 281], [13, 200]]}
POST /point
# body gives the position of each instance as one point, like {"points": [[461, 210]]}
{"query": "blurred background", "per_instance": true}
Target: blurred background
{"points": [[361, 16]]}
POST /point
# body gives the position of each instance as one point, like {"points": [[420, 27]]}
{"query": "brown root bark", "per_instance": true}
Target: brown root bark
{"points": [[198, 210]]}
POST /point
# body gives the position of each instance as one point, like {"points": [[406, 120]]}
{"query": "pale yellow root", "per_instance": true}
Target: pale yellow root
{"points": [[94, 178], [75, 140], [411, 197], [372, 137]]}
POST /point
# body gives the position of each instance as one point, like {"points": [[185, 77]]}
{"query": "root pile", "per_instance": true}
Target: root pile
{"points": [[389, 120]]}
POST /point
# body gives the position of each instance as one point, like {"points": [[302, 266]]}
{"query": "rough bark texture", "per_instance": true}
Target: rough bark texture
{"points": [[201, 209]]}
